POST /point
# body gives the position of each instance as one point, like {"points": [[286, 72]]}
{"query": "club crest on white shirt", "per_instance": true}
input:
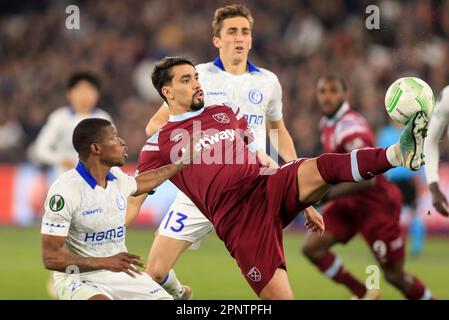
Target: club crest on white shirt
{"points": [[121, 203], [255, 96]]}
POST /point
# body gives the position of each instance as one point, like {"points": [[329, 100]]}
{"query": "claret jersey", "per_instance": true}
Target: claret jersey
{"points": [[229, 165]]}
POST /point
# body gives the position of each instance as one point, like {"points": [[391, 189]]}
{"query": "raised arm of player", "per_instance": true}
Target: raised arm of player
{"points": [[56, 258], [157, 121], [150, 180], [438, 122], [281, 140], [147, 182], [277, 132]]}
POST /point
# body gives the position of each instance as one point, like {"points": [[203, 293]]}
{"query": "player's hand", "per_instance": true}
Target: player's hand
{"points": [[439, 200], [124, 262], [314, 220]]}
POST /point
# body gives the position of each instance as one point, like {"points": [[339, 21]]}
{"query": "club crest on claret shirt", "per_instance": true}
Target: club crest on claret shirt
{"points": [[221, 118]]}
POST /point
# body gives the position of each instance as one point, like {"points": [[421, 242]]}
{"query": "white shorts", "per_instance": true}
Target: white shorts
{"points": [[114, 285], [184, 221]]}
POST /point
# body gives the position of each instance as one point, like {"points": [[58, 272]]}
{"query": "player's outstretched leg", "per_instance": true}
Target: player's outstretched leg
{"points": [[315, 175], [278, 288], [162, 257], [410, 286], [317, 249]]}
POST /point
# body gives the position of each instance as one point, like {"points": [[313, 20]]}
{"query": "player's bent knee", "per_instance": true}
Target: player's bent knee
{"points": [[308, 250], [158, 274], [313, 250], [158, 277]]}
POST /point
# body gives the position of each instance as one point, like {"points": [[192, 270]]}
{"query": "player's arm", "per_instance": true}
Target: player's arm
{"points": [[56, 258], [342, 189], [281, 140], [151, 179], [277, 132], [266, 160], [145, 183], [157, 121], [133, 207], [438, 123]]}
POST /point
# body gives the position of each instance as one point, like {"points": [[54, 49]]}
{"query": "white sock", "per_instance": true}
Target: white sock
{"points": [[392, 155], [172, 285]]}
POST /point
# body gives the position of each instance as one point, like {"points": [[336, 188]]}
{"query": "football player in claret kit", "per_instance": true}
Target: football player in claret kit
{"points": [[83, 228], [231, 77], [247, 207], [371, 208]]}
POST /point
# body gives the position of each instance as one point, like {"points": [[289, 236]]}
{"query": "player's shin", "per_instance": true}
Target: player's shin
{"points": [[331, 266], [360, 164], [417, 290]]}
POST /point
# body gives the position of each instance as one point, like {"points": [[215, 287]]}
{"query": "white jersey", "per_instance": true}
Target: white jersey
{"points": [[54, 142], [91, 218], [438, 122]]}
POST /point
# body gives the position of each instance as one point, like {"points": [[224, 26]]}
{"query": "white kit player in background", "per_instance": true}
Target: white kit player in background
{"points": [[232, 80], [83, 228], [438, 123], [53, 146]]}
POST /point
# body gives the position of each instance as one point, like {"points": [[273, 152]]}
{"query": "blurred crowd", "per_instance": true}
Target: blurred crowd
{"points": [[298, 40]]}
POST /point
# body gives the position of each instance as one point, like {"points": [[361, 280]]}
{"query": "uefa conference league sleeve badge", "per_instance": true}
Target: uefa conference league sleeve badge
{"points": [[56, 203]]}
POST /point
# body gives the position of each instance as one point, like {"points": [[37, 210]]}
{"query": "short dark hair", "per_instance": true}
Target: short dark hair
{"points": [[230, 11], [83, 76], [333, 77], [162, 72], [88, 131]]}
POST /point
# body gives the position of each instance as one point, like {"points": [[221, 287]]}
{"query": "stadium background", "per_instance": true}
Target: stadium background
{"points": [[121, 40]]}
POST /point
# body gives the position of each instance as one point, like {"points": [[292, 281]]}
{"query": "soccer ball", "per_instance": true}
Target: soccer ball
{"points": [[406, 96]]}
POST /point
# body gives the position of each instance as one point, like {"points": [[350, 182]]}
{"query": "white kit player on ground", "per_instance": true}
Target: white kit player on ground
{"points": [[83, 228], [438, 123], [230, 79]]}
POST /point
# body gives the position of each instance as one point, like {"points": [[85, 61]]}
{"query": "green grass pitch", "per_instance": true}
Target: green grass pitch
{"points": [[213, 274]]}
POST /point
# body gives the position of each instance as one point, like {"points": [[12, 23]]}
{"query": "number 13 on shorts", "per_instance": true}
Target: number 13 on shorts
{"points": [[177, 221]]}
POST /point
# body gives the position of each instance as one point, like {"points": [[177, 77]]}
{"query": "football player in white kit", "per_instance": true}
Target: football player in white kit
{"points": [[438, 123], [233, 80], [83, 228], [53, 145]]}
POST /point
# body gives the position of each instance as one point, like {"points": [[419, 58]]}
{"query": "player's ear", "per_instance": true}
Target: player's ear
{"points": [[95, 149], [167, 92], [216, 41]]}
